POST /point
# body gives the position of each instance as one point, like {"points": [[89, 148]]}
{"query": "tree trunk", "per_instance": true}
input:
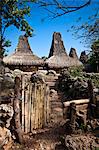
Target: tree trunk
{"points": [[18, 131], [72, 116], [92, 104]]}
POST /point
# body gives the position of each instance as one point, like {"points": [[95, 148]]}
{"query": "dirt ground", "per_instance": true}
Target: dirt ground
{"points": [[50, 139]]}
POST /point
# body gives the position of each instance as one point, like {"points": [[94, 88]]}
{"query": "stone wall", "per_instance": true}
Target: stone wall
{"points": [[56, 104]]}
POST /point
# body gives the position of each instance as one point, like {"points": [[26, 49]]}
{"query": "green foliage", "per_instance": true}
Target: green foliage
{"points": [[76, 71], [94, 57], [95, 46], [13, 12]]}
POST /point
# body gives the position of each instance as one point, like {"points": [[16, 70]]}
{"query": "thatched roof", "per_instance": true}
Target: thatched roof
{"points": [[23, 55], [57, 46], [73, 53], [58, 57]]}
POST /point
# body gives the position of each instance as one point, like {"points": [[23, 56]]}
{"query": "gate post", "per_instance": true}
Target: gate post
{"points": [[72, 116], [16, 104]]}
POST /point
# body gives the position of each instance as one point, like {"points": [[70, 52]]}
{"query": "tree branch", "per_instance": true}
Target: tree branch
{"points": [[60, 8]]}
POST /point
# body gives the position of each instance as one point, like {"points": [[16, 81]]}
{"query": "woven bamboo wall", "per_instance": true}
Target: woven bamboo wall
{"points": [[35, 107]]}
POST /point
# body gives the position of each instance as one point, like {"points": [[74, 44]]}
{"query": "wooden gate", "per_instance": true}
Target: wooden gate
{"points": [[35, 109]]}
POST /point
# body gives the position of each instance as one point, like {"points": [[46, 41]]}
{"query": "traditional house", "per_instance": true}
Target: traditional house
{"points": [[58, 58], [23, 57]]}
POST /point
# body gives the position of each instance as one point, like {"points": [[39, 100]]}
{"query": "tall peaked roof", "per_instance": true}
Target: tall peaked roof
{"points": [[83, 57], [23, 45], [57, 47], [23, 55], [73, 53], [58, 57]]}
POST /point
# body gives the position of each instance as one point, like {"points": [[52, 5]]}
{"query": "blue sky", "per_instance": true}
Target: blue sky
{"points": [[41, 41]]}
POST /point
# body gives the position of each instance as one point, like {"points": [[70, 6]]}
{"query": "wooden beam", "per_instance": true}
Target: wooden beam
{"points": [[77, 102]]}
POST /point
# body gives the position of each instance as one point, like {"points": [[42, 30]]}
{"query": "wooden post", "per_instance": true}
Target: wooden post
{"points": [[23, 101], [72, 116], [18, 131], [92, 104]]}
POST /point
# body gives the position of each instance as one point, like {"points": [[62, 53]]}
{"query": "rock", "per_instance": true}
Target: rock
{"points": [[7, 70], [37, 77], [80, 142], [6, 113], [51, 72], [5, 138], [73, 87], [7, 82]]}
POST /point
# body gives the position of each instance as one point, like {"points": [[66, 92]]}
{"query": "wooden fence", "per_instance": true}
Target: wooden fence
{"points": [[35, 108]]}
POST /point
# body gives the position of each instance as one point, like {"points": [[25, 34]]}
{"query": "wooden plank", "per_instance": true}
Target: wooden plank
{"points": [[48, 104], [42, 107], [81, 101], [36, 107], [39, 107], [35, 95], [32, 107], [29, 107], [22, 103], [26, 111], [45, 105]]}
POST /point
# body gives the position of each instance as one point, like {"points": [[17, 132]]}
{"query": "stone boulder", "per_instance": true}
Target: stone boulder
{"points": [[5, 139], [80, 142], [73, 87], [6, 114], [6, 87], [37, 77]]}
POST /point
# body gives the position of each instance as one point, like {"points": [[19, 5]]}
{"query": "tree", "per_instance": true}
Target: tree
{"points": [[88, 32], [59, 8], [13, 12], [94, 56]]}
